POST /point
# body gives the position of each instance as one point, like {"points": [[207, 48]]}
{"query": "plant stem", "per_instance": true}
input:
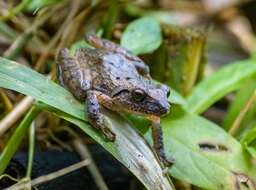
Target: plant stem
{"points": [[49, 177], [31, 150], [235, 126], [85, 154], [7, 102], [16, 138]]}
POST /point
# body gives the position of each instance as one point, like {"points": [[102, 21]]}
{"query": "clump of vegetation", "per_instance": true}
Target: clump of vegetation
{"points": [[210, 130]]}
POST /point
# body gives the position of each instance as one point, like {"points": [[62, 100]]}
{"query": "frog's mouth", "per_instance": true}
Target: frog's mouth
{"points": [[153, 112]]}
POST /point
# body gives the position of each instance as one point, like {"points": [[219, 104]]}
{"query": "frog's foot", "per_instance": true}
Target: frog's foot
{"points": [[96, 118], [168, 162], [108, 134]]}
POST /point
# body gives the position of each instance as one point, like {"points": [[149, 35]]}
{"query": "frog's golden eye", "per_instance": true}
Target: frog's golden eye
{"points": [[138, 95]]}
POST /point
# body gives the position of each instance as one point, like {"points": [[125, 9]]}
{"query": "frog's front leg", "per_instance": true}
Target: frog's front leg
{"points": [[96, 118], [157, 136]]}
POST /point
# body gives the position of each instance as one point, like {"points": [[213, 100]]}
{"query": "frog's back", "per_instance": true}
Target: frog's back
{"points": [[114, 71]]}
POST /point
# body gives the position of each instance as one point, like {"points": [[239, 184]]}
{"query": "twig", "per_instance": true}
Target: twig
{"points": [[8, 176], [15, 114], [85, 154], [235, 126], [51, 176]]}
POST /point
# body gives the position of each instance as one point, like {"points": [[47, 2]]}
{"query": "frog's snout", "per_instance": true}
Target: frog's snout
{"points": [[164, 108]]}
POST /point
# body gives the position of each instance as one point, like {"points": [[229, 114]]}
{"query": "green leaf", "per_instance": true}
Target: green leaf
{"points": [[249, 141], [142, 36], [224, 81], [205, 155], [176, 98], [129, 147], [242, 97]]}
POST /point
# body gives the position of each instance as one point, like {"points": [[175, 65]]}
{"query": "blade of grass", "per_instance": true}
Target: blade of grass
{"points": [[110, 18], [16, 139], [31, 150], [224, 81], [242, 96], [237, 122]]}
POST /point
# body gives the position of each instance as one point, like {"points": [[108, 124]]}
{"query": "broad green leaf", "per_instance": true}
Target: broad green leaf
{"points": [[216, 163], [224, 81], [129, 147], [142, 36]]}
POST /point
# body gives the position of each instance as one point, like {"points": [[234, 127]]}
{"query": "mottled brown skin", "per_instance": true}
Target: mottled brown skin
{"points": [[112, 77]]}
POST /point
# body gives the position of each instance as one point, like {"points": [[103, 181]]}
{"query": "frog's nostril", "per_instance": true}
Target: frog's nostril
{"points": [[168, 93], [165, 108]]}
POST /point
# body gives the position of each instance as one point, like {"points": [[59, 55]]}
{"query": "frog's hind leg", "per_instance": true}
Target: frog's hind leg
{"points": [[59, 75], [71, 76], [96, 118]]}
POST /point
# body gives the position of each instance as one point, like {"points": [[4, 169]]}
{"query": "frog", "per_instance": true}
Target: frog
{"points": [[109, 76]]}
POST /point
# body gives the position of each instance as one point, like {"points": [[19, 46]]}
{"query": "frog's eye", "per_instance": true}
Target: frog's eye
{"points": [[138, 95]]}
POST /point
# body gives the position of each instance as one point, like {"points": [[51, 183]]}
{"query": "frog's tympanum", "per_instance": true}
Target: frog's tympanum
{"points": [[110, 76]]}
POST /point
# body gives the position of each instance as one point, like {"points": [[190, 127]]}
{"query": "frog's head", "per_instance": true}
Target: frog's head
{"points": [[150, 99]]}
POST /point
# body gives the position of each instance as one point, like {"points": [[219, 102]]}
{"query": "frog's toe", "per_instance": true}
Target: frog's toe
{"points": [[168, 162], [109, 135]]}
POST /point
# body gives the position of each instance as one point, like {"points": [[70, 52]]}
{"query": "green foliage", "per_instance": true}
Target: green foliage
{"points": [[205, 155], [142, 36], [15, 140], [249, 141], [212, 166], [224, 81], [242, 97]]}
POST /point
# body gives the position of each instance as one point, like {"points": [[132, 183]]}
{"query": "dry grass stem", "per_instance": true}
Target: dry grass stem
{"points": [[51, 176], [85, 154], [15, 114]]}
